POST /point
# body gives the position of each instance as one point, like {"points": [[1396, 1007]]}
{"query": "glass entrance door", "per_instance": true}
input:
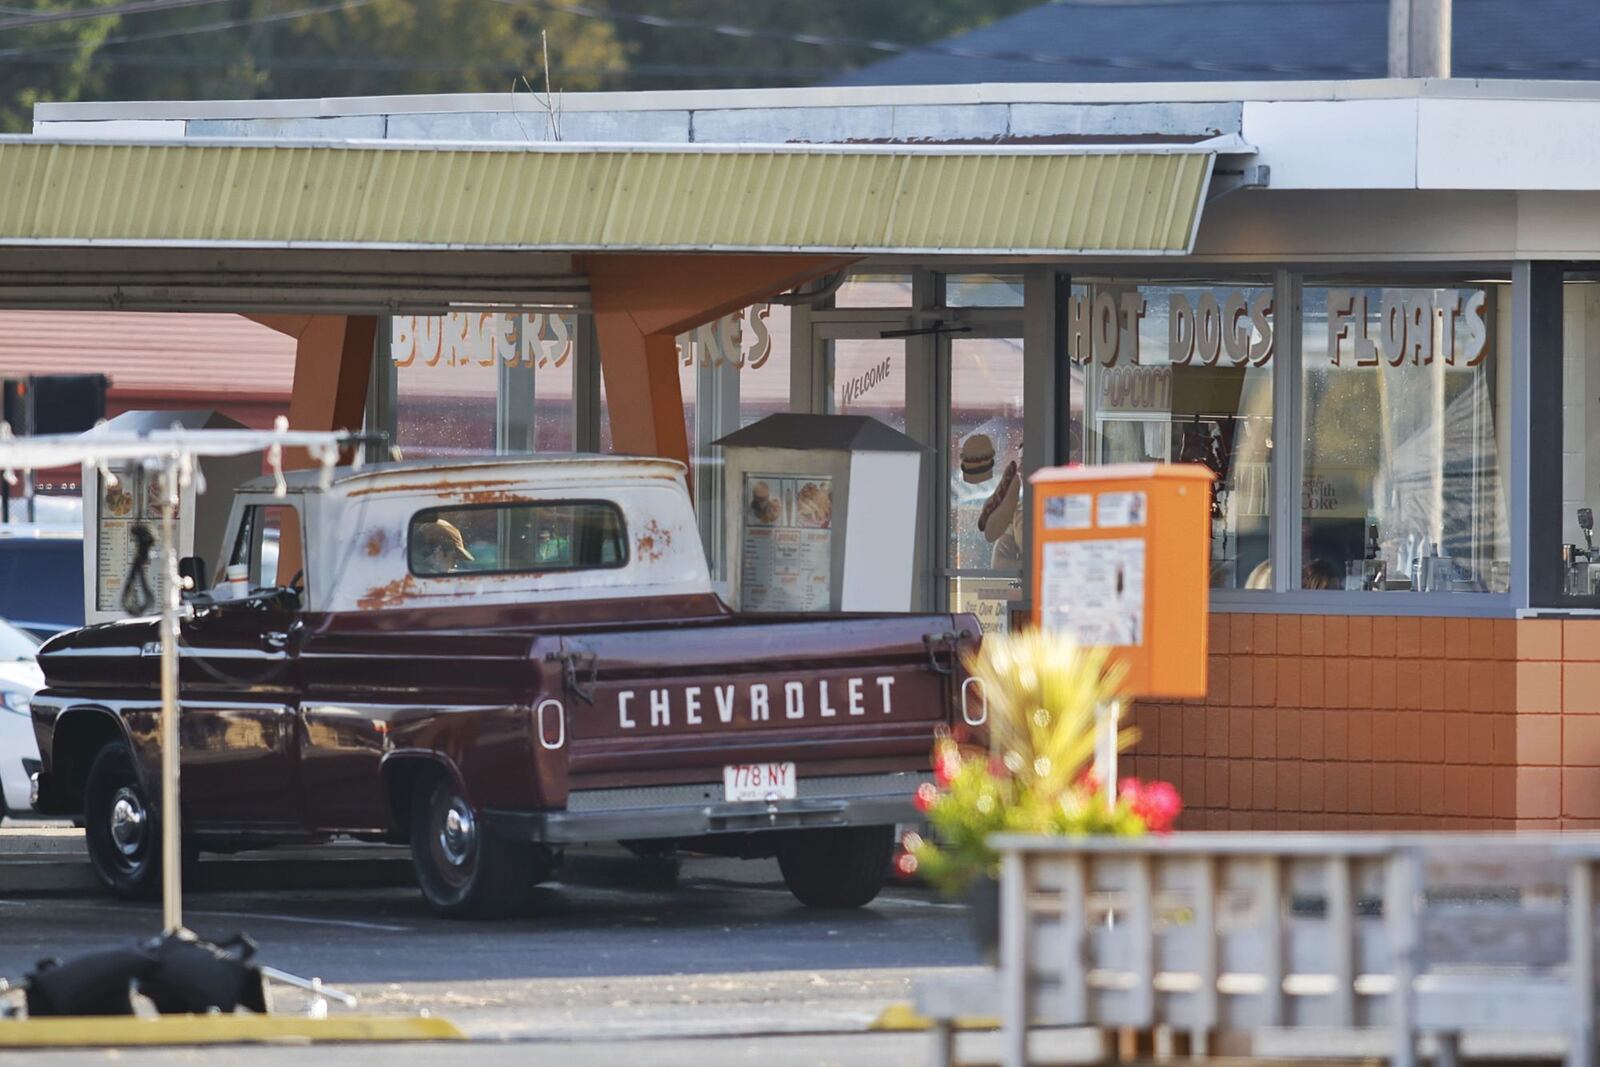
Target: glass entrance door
{"points": [[863, 373], [960, 395], [984, 528]]}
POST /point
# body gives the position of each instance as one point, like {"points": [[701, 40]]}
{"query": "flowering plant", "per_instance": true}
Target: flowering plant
{"points": [[1043, 692]]}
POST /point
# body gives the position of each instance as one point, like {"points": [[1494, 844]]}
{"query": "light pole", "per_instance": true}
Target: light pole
{"points": [[174, 451]]}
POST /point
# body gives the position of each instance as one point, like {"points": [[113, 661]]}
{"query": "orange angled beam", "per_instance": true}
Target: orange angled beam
{"points": [[643, 301]]}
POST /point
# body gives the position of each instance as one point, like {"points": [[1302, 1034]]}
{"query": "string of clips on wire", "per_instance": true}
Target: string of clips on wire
{"points": [[174, 451]]}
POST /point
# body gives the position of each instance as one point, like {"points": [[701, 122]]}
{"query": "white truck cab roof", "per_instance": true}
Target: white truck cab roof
{"points": [[361, 529]]}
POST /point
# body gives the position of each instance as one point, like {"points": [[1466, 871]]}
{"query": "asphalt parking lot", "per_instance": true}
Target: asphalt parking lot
{"points": [[616, 961]]}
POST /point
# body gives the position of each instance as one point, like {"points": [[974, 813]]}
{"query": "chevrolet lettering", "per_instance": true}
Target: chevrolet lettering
{"points": [[725, 705], [491, 660]]}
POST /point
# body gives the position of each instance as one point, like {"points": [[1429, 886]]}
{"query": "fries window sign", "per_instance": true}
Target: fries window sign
{"points": [[1183, 373], [818, 514], [122, 516]]}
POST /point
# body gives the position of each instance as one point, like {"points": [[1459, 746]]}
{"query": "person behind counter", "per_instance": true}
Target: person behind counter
{"points": [[1317, 574]]}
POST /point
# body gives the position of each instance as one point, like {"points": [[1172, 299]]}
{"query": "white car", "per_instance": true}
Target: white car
{"points": [[20, 678]]}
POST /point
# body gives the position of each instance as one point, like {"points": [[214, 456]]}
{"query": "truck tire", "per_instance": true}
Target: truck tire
{"points": [[464, 870], [841, 868], [121, 828]]}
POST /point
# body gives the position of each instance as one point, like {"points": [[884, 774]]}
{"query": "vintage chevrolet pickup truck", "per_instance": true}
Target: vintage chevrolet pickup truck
{"points": [[493, 659]]}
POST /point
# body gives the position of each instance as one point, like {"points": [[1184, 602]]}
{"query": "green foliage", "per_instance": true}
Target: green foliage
{"points": [[65, 75], [1043, 692], [245, 49]]}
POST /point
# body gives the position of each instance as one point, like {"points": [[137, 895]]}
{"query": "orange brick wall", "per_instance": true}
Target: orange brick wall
{"points": [[1357, 722]]}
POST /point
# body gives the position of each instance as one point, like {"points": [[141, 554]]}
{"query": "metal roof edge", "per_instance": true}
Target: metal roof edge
{"points": [[827, 97], [800, 148]]}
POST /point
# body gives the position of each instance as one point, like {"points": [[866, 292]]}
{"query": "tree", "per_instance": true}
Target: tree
{"points": [[52, 61], [245, 48]]}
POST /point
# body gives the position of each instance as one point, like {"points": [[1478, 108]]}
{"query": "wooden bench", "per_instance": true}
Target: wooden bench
{"points": [[1323, 946]]}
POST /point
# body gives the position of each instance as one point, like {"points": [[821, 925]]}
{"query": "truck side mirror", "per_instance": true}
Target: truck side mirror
{"points": [[194, 569]]}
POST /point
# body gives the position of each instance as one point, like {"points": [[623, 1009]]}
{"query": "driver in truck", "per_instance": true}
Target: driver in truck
{"points": [[441, 548]]}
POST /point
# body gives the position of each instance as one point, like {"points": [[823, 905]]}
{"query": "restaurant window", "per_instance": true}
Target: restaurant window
{"points": [[1405, 443], [1182, 372], [1580, 434], [983, 290], [874, 291], [479, 382], [517, 538]]}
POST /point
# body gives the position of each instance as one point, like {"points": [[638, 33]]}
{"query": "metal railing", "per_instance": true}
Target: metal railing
{"points": [[1302, 945]]}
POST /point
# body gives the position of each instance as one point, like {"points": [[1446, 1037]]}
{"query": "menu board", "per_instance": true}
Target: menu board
{"points": [[134, 500], [1093, 591], [787, 550]]}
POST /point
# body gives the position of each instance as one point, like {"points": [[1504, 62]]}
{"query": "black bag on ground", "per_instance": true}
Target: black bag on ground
{"points": [[99, 983], [178, 972], [192, 975]]}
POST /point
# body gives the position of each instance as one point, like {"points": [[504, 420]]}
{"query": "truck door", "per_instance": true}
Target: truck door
{"points": [[238, 693]]}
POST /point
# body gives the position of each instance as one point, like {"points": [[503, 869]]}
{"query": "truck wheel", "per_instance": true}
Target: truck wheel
{"points": [[463, 869], [121, 828], [841, 868]]}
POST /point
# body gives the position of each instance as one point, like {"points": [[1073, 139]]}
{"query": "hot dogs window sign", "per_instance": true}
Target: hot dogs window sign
{"points": [[1130, 331], [787, 524]]}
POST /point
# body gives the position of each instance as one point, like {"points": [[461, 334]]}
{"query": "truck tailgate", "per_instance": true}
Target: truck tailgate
{"points": [[836, 695]]}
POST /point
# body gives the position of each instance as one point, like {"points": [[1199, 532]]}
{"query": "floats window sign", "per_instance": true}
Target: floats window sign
{"points": [[1369, 328], [481, 338], [1202, 327]]}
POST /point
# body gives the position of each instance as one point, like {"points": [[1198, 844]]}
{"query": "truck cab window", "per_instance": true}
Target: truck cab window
{"points": [[268, 546], [517, 538]]}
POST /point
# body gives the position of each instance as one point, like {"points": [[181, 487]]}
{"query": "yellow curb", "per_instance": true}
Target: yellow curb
{"points": [[96, 1031], [902, 1016]]}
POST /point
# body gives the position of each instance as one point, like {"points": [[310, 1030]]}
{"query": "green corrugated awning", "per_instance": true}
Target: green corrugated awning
{"points": [[1143, 200]]}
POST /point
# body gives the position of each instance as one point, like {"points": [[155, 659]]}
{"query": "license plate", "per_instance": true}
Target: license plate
{"points": [[758, 781]]}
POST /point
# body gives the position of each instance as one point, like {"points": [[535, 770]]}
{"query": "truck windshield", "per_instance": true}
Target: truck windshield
{"points": [[517, 538]]}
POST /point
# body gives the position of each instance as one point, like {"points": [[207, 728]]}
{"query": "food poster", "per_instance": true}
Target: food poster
{"points": [[986, 499], [787, 551], [134, 499], [1093, 591]]}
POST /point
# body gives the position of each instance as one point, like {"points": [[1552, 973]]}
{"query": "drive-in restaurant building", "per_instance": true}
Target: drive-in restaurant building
{"points": [[1371, 308]]}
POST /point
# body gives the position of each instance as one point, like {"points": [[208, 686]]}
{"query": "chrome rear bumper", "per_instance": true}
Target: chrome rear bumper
{"points": [[695, 810]]}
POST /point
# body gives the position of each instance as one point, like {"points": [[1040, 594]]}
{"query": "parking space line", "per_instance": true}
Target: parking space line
{"points": [[208, 913]]}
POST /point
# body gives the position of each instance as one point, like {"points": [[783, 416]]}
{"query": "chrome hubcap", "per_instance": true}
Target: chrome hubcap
{"points": [[460, 834], [128, 821]]}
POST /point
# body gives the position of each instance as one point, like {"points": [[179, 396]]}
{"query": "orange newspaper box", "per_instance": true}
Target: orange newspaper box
{"points": [[1121, 558]]}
